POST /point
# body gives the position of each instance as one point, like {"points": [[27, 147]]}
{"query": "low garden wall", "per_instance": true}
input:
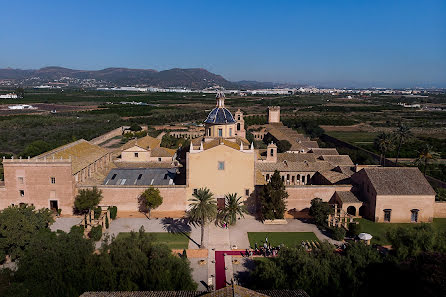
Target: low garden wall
{"points": [[440, 209], [126, 197], [299, 197]]}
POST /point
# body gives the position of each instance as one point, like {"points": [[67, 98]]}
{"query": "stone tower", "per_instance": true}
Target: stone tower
{"points": [[240, 131], [273, 114]]}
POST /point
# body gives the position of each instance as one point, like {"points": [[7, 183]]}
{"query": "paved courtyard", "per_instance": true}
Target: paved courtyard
{"points": [[215, 239]]}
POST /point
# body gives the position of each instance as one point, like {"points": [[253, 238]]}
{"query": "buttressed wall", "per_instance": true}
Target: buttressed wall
{"points": [[236, 177]]}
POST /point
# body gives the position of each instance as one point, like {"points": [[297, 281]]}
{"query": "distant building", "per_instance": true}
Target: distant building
{"points": [[9, 96]]}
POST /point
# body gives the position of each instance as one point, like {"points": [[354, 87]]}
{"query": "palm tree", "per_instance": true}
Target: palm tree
{"points": [[425, 155], [203, 209], [233, 207], [384, 142], [401, 134]]}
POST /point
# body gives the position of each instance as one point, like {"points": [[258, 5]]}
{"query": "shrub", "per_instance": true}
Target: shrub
{"points": [[77, 229], [113, 212], [106, 222], [96, 233], [87, 199], [97, 212], [354, 229], [320, 210], [338, 233]]}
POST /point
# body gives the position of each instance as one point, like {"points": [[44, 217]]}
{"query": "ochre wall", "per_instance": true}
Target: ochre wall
{"points": [[37, 184], [401, 207], [439, 209], [129, 155], [299, 197], [126, 197], [237, 176], [225, 130]]}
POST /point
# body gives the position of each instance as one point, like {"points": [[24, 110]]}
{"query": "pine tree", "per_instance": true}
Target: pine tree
{"points": [[273, 198]]}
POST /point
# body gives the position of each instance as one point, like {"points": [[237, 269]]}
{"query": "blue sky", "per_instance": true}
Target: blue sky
{"points": [[383, 43]]}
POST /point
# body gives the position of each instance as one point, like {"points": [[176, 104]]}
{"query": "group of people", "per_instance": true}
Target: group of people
{"points": [[266, 250]]}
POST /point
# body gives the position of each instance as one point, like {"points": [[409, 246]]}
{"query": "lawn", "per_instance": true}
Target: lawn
{"points": [[289, 239], [173, 240], [379, 230], [353, 137]]}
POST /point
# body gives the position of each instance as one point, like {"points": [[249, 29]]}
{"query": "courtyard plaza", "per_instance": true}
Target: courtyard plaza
{"points": [[216, 238]]}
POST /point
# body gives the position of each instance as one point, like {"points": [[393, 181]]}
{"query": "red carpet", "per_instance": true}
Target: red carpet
{"points": [[220, 274]]}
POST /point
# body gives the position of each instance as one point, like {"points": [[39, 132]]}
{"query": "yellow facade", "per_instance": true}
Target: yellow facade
{"points": [[237, 176], [224, 131]]}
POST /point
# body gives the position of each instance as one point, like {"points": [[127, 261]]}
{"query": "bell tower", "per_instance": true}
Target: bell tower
{"points": [[240, 128]]}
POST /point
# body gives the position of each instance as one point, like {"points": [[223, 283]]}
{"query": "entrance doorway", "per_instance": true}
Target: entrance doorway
{"points": [[54, 205]]}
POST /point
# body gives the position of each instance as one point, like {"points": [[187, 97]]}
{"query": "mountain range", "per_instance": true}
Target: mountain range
{"points": [[195, 78]]}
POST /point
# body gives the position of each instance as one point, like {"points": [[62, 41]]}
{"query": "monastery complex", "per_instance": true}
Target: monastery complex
{"points": [[222, 160]]}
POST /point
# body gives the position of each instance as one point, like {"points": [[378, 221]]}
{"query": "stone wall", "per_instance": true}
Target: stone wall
{"points": [[402, 205], [439, 209], [106, 136], [126, 197], [38, 182], [300, 196]]}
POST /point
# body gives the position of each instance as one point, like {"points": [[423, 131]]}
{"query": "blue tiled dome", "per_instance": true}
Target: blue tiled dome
{"points": [[220, 115]]}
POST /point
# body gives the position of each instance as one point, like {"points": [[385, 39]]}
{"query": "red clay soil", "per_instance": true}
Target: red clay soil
{"points": [[220, 274]]}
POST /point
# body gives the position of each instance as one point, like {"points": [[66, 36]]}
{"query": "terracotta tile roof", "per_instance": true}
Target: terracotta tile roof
{"points": [[324, 151], [144, 142], [398, 181], [337, 160], [334, 176], [347, 197], [147, 164], [162, 152], [292, 157], [238, 291], [81, 152], [294, 166], [260, 179], [196, 142], [309, 144]]}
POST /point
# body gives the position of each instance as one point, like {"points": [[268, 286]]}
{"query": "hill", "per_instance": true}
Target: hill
{"points": [[196, 78]]}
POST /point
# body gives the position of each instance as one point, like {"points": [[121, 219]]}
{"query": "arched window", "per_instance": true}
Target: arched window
{"points": [[308, 179], [298, 178], [238, 126], [267, 177], [303, 179], [351, 210]]}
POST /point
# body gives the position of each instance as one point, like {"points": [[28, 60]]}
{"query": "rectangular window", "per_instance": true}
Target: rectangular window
{"points": [[221, 165], [247, 192], [220, 132], [195, 191], [414, 215], [136, 155], [159, 159], [20, 180], [22, 193], [230, 131], [271, 153], [387, 215], [53, 180]]}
